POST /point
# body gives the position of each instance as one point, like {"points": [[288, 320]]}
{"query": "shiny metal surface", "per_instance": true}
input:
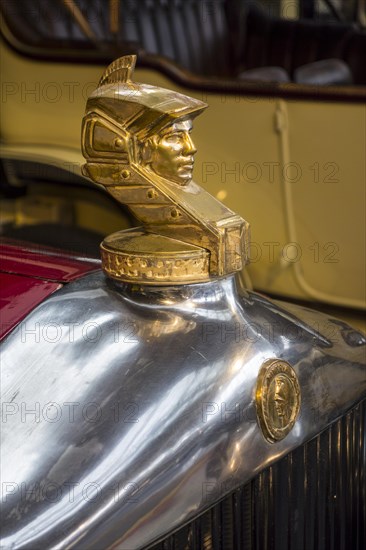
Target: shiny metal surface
{"points": [[314, 498], [127, 410]]}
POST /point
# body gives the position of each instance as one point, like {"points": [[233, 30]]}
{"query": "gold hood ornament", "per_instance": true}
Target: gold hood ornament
{"points": [[136, 141]]}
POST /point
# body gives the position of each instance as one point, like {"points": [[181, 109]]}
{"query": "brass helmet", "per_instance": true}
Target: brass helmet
{"points": [[120, 115]]}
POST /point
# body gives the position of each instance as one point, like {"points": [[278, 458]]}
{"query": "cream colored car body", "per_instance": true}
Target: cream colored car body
{"points": [[294, 169]]}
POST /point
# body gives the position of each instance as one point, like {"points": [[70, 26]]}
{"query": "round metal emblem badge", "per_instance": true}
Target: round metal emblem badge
{"points": [[277, 399]]}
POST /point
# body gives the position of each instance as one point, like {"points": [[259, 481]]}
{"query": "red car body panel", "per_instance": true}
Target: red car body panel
{"points": [[42, 263], [18, 296], [28, 276]]}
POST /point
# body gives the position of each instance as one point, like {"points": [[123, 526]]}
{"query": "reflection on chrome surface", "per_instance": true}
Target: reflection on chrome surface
{"points": [[126, 411]]}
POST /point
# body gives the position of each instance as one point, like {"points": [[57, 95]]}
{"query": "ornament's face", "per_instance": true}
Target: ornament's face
{"points": [[170, 153]]}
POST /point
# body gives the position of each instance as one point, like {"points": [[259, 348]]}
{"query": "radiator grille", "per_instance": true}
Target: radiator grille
{"points": [[312, 499]]}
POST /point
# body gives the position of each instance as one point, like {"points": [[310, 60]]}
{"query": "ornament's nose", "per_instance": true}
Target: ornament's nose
{"points": [[189, 147]]}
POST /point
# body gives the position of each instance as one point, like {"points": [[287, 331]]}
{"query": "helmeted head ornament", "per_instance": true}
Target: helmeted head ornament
{"points": [[122, 114], [136, 141]]}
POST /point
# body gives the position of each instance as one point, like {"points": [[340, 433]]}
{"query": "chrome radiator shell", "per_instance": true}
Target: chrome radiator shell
{"points": [[143, 405], [312, 499]]}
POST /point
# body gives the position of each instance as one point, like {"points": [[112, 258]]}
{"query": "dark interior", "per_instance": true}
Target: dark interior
{"points": [[217, 38], [35, 181]]}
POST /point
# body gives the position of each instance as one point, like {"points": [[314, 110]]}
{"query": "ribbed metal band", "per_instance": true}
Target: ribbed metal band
{"points": [[136, 257]]}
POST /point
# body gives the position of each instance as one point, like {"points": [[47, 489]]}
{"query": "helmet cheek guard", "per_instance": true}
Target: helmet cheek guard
{"points": [[108, 149]]}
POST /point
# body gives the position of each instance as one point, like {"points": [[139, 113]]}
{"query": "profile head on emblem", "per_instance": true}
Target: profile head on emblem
{"points": [[277, 399]]}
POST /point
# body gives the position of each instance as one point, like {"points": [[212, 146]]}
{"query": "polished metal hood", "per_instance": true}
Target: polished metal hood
{"points": [[129, 410], [135, 399]]}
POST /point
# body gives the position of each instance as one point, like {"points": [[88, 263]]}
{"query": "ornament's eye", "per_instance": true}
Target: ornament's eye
{"points": [[174, 138]]}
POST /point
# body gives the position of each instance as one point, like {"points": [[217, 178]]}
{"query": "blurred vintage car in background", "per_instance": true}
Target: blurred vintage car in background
{"points": [[283, 144], [288, 156]]}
